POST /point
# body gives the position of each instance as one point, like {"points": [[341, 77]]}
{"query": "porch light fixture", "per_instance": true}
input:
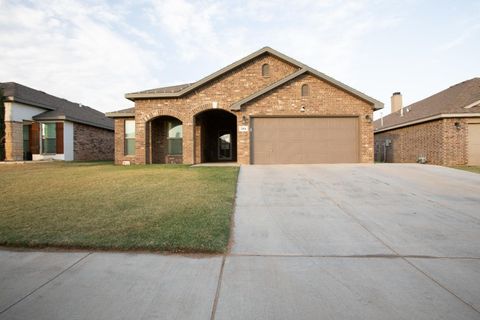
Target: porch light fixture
{"points": [[368, 118], [458, 126], [302, 109], [244, 120]]}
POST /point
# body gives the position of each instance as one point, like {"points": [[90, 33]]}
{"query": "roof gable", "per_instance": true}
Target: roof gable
{"points": [[180, 90], [376, 104]]}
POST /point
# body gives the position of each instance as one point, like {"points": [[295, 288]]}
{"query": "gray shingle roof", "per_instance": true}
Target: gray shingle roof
{"points": [[170, 89], [449, 101], [56, 108], [130, 112]]}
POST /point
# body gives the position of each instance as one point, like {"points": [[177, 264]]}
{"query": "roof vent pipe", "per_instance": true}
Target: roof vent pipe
{"points": [[397, 103]]}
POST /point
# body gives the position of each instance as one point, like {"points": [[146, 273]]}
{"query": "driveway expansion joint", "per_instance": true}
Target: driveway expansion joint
{"points": [[44, 284], [360, 256], [219, 287]]}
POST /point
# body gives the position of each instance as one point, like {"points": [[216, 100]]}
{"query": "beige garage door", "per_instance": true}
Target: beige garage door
{"points": [[304, 140], [474, 144]]}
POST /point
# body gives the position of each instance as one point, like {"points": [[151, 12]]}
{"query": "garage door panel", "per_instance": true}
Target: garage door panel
{"points": [[304, 140], [286, 154], [474, 144]]}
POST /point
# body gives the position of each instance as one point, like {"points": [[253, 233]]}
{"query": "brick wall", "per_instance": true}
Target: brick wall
{"points": [[455, 142], [13, 141], [225, 90], [439, 141], [120, 142], [92, 143], [324, 100]]}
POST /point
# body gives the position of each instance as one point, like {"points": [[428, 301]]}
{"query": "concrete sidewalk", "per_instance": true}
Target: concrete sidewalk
{"points": [[309, 242]]}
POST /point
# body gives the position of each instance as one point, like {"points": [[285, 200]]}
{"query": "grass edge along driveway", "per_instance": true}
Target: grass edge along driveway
{"points": [[474, 169], [174, 208]]}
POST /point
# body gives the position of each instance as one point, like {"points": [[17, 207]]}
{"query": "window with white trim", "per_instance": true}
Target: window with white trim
{"points": [[129, 137]]}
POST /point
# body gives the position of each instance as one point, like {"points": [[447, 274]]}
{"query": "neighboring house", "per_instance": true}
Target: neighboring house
{"points": [[266, 108], [443, 129], [39, 126]]}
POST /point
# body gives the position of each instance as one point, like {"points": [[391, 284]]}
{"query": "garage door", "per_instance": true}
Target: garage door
{"points": [[304, 140], [474, 144]]}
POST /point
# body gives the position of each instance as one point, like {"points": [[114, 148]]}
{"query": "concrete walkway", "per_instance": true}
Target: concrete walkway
{"points": [[309, 242]]}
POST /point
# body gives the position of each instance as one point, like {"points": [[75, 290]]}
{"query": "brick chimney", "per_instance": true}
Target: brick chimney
{"points": [[397, 103]]}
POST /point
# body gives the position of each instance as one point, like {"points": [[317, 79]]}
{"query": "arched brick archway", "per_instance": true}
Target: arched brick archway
{"points": [[164, 139], [165, 112], [215, 135], [208, 106]]}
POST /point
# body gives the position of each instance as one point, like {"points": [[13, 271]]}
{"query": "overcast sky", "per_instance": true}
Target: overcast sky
{"points": [[93, 52]]}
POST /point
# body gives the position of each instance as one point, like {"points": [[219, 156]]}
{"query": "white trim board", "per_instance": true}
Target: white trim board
{"points": [[436, 117]]}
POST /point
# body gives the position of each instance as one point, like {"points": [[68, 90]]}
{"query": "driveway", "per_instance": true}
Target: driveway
{"points": [[309, 242]]}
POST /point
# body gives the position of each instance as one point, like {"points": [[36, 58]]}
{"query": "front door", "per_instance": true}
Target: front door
{"points": [[224, 145]]}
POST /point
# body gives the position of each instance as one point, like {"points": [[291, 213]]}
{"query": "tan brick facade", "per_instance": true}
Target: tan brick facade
{"points": [[92, 143], [440, 141], [325, 99], [13, 141], [120, 142]]}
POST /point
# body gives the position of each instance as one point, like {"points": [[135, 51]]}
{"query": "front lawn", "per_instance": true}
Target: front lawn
{"points": [[102, 206], [475, 169]]}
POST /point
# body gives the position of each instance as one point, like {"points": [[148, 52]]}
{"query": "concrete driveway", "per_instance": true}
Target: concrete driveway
{"points": [[309, 242]]}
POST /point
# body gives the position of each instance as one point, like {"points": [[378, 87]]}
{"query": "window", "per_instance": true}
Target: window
{"points": [[26, 138], [129, 137], [266, 70], [175, 137], [49, 138], [305, 90]]}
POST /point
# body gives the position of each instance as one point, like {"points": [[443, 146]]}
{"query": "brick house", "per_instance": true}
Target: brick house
{"points": [[266, 108], [39, 126], [443, 129]]}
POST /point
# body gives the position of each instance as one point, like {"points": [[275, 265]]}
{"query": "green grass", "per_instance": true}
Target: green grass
{"points": [[98, 205], [475, 169]]}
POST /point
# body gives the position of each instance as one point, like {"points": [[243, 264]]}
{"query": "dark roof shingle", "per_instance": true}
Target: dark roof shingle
{"points": [[57, 108], [130, 112], [169, 89], [449, 101]]}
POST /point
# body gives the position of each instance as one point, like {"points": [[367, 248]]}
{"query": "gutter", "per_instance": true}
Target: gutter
{"points": [[437, 117], [71, 119], [28, 102]]}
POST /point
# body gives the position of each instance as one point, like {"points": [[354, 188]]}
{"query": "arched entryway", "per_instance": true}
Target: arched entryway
{"points": [[165, 140], [215, 136]]}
